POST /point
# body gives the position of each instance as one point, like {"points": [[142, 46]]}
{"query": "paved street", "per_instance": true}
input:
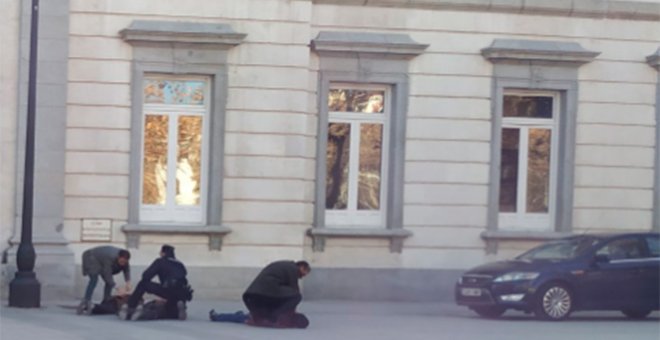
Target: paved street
{"points": [[329, 320]]}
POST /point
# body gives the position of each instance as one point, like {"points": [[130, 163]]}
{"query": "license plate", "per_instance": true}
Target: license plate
{"points": [[470, 291]]}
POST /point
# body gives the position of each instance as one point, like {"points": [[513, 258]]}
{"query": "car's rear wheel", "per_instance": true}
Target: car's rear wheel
{"points": [[490, 312], [553, 302], [636, 313]]}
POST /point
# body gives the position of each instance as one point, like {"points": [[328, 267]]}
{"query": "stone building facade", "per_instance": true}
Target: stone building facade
{"points": [[391, 144]]}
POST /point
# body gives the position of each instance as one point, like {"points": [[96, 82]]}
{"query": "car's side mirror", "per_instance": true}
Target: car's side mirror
{"points": [[601, 258]]}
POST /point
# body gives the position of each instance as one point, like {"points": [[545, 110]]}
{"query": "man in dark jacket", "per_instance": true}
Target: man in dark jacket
{"points": [[173, 285], [104, 261], [274, 294]]}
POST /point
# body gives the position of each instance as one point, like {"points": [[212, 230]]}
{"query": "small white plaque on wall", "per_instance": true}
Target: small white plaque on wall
{"points": [[96, 231]]}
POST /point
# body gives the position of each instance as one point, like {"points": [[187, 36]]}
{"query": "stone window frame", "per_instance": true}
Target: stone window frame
{"points": [[351, 213], [654, 61], [536, 65], [365, 58], [179, 49]]}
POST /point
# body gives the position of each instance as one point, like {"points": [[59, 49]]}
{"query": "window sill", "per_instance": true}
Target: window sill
{"points": [[395, 235], [215, 232]]}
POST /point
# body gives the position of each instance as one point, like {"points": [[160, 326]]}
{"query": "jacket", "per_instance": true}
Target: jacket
{"points": [[169, 270], [278, 279], [103, 261]]}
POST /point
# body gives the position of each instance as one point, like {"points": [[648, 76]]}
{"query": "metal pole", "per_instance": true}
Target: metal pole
{"points": [[25, 289]]}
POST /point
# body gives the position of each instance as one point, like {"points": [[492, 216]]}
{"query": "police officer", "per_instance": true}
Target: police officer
{"points": [[173, 285]]}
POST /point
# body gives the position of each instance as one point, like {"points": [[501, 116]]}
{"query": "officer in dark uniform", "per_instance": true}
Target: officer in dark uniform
{"points": [[173, 285]]}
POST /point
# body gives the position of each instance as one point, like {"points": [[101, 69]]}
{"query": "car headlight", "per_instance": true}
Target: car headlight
{"points": [[516, 276]]}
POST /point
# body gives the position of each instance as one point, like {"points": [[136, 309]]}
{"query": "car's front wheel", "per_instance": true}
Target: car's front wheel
{"points": [[553, 302], [636, 313], [490, 312]]}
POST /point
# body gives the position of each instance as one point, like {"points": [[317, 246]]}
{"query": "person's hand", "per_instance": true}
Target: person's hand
{"points": [[127, 287], [120, 291]]}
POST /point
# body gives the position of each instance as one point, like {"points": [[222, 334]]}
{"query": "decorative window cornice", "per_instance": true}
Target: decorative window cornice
{"points": [[181, 32], [372, 43], [549, 52]]}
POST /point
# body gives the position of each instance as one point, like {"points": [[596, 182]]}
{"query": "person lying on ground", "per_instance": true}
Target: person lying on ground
{"points": [[288, 320]]}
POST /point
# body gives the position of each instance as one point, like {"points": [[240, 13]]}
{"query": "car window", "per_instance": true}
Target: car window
{"points": [[558, 250], [653, 244], [622, 249]]}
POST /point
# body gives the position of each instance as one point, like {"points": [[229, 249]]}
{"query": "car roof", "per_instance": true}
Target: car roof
{"points": [[605, 236]]}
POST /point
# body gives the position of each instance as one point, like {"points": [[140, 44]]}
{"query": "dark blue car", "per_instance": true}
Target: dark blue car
{"points": [[586, 272]]}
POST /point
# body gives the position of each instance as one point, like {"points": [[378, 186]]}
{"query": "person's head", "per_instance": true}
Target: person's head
{"points": [[167, 251], [123, 257], [303, 268]]}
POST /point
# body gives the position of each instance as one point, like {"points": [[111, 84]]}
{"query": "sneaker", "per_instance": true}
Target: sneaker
{"points": [[212, 314], [126, 313], [85, 307], [181, 306], [139, 314]]}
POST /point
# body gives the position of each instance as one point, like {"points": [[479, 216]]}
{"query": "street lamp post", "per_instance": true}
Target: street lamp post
{"points": [[25, 289]]}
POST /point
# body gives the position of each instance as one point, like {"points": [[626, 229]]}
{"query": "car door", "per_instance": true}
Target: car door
{"points": [[651, 272], [615, 283]]}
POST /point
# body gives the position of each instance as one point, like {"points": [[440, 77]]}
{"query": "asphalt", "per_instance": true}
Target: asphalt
{"points": [[329, 320]]}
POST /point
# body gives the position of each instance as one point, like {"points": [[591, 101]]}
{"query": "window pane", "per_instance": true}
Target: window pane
{"points": [[527, 106], [653, 244], [189, 160], [627, 248], [154, 171], [178, 92], [347, 100], [371, 141], [509, 170], [337, 156], [538, 170]]}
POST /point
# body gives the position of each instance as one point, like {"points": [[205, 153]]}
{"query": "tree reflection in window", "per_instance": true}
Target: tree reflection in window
{"points": [[371, 138], [189, 160], [338, 155], [348, 100], [154, 185]]}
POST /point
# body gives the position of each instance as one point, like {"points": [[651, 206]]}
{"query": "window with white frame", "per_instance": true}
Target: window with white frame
{"points": [[174, 149], [528, 165], [356, 155]]}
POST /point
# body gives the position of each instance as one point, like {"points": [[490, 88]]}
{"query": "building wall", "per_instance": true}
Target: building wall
{"points": [[269, 141], [9, 38], [448, 136], [271, 127]]}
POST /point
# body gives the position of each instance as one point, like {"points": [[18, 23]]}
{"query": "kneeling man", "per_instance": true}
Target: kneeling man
{"points": [[274, 294]]}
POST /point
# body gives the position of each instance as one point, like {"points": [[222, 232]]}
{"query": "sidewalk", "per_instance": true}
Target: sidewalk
{"points": [[329, 320]]}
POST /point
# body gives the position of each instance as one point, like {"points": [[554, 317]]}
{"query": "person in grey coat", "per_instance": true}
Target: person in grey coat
{"points": [[274, 294], [104, 261]]}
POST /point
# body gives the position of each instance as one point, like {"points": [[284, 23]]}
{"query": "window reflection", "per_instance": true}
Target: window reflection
{"points": [[154, 185], [371, 139], [189, 160], [538, 170], [178, 92], [347, 100], [527, 106], [509, 170], [337, 159]]}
